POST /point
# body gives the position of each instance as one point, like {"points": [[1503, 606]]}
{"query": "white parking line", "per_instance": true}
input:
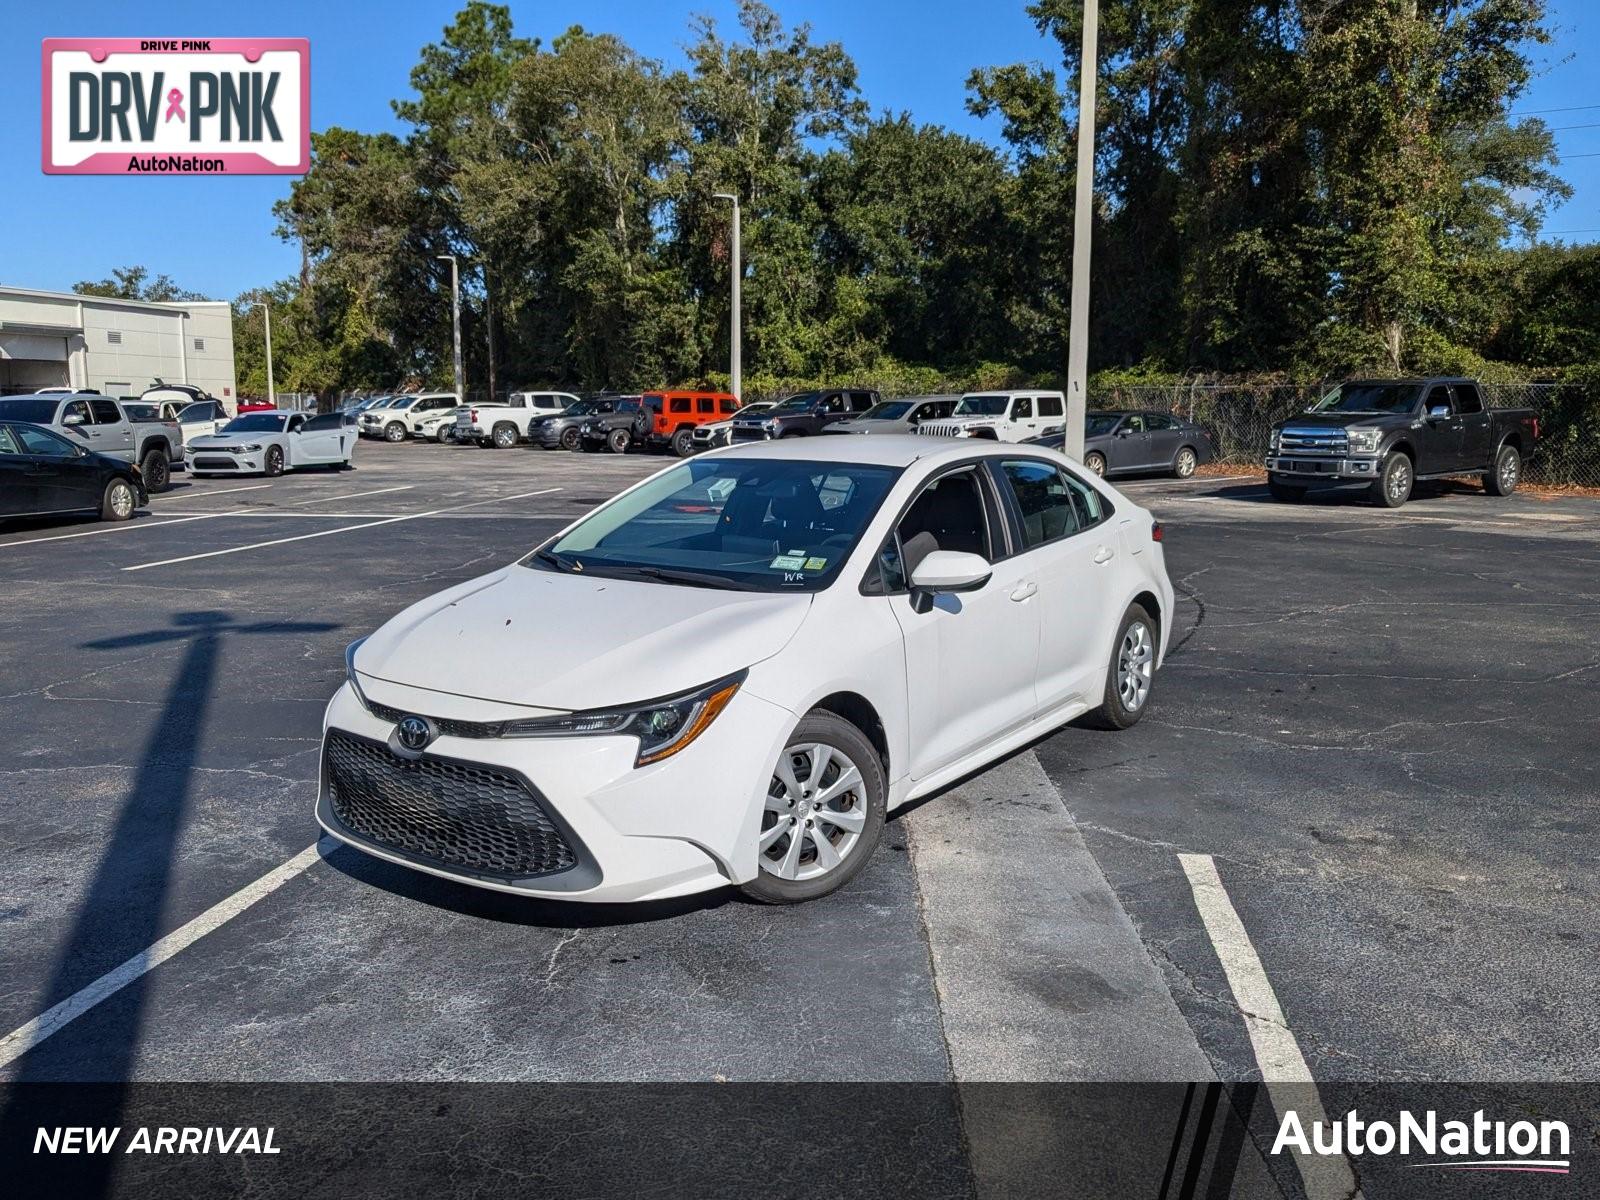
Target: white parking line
{"points": [[150, 522], [1283, 1067], [302, 537], [404, 487], [188, 495], [24, 1038]]}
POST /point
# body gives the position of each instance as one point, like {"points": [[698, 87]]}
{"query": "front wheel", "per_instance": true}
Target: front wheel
{"points": [[1183, 466], [119, 501], [618, 440], [274, 461], [394, 431], [1392, 488], [1095, 462], [1131, 672], [1502, 480], [824, 812], [157, 472], [569, 439]]}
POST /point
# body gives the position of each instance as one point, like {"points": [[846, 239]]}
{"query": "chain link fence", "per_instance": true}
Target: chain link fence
{"points": [[1240, 419]]}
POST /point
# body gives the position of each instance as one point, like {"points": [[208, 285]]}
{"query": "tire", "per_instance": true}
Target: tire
{"points": [[683, 443], [394, 431], [617, 440], [1184, 464], [570, 439], [1506, 473], [1130, 674], [1392, 488], [1288, 492], [782, 878], [155, 469], [445, 434], [118, 501], [1095, 462], [273, 464], [503, 436]]}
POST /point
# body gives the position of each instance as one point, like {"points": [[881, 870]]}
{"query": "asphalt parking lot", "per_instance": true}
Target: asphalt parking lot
{"points": [[1375, 727]]}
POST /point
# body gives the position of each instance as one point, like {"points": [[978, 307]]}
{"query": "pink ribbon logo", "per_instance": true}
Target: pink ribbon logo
{"points": [[175, 105]]}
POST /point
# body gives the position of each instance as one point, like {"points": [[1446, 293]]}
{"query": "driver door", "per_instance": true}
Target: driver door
{"points": [[1129, 448], [970, 658], [1439, 439]]}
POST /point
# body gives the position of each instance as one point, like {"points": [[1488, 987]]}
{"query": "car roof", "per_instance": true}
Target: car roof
{"points": [[1011, 392], [888, 450]]}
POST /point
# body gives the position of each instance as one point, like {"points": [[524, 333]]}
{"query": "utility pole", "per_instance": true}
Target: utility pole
{"points": [[735, 366], [455, 318], [266, 313], [1082, 232], [488, 320]]}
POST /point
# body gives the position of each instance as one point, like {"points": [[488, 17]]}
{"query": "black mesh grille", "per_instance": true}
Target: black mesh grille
{"points": [[446, 726], [465, 815], [216, 464]]}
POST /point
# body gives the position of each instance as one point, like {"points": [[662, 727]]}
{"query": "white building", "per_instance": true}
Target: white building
{"points": [[116, 347]]}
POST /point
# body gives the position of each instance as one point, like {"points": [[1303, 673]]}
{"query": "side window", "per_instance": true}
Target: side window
{"points": [[705, 404], [1159, 421], [42, 442], [106, 412], [861, 401], [944, 408], [295, 423], [1043, 501], [678, 404], [1467, 398], [1050, 406], [8, 444], [1438, 396], [330, 421], [1022, 408], [1133, 424], [729, 407], [833, 403], [605, 406], [75, 409], [950, 514], [518, 401]]}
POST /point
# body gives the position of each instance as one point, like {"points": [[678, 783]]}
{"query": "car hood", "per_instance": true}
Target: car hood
{"points": [[217, 441], [509, 637], [875, 425], [1339, 420]]}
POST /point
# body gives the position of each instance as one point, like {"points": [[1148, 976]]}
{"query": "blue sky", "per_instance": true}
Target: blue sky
{"points": [[215, 235]]}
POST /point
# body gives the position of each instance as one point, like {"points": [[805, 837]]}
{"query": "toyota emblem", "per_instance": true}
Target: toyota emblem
{"points": [[415, 733]]}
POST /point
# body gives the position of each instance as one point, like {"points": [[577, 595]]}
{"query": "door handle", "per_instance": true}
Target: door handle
{"points": [[1024, 590], [1104, 554]]}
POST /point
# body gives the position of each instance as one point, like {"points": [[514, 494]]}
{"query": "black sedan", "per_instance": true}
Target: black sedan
{"points": [[41, 472], [1116, 443]]}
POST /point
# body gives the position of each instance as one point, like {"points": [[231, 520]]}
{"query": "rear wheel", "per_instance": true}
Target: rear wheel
{"points": [[118, 501], [1131, 673], [618, 440], [504, 435], [823, 815], [1503, 478], [683, 443], [1183, 466], [1392, 488], [156, 471], [1095, 462], [1286, 491]]}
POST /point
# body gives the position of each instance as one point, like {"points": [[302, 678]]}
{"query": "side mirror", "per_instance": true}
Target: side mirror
{"points": [[1438, 412], [944, 571]]}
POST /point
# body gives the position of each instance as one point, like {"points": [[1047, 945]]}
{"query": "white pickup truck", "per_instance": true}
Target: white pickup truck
{"points": [[396, 420], [504, 425], [1012, 416]]}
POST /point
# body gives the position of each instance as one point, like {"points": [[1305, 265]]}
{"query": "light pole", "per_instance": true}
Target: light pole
{"points": [[455, 318], [735, 366], [488, 324], [266, 313], [1082, 232]]}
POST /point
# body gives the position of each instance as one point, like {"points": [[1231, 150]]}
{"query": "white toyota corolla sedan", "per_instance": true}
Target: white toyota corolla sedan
{"points": [[733, 670]]}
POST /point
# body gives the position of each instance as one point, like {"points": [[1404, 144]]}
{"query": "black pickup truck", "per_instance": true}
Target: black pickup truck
{"points": [[1385, 434]]}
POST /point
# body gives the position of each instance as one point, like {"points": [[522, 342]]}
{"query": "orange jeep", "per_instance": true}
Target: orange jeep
{"points": [[669, 418]]}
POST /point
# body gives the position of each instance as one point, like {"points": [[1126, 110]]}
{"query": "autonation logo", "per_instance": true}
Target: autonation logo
{"points": [[1476, 1145]]}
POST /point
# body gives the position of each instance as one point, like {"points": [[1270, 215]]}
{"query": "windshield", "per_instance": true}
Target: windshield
{"points": [[795, 403], [1369, 398], [1098, 425], [579, 408], [264, 422], [886, 410], [38, 412], [982, 406], [734, 523]]}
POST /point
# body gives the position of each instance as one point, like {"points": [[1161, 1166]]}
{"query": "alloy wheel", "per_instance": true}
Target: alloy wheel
{"points": [[1096, 464], [1186, 463], [1135, 664], [121, 501], [1399, 481], [816, 809], [1508, 470]]}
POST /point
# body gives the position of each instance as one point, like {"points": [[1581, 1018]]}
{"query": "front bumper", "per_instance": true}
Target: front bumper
{"points": [[205, 461], [1306, 468], [749, 433], [683, 825]]}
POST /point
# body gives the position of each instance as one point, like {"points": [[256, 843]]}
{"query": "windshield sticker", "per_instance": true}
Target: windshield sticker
{"points": [[816, 564], [788, 562]]}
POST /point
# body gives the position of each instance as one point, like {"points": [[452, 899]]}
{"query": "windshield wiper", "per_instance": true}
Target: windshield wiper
{"points": [[703, 579], [554, 559]]}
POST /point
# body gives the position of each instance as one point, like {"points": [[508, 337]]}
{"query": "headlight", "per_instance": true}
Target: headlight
{"points": [[1272, 442], [1365, 441], [350, 670], [250, 449], [770, 426], [663, 727]]}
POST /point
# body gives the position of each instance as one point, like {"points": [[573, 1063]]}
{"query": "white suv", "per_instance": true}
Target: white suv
{"points": [[400, 418], [1001, 416]]}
